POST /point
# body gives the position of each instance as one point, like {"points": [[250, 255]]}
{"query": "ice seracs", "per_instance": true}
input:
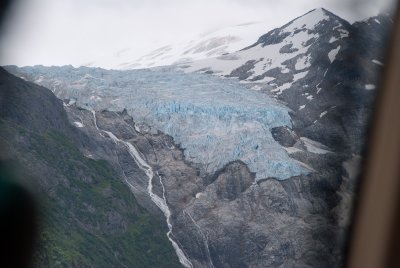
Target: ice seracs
{"points": [[215, 120]]}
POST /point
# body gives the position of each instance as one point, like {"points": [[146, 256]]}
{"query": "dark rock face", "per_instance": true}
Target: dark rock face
{"points": [[88, 216], [233, 181], [335, 97], [271, 38], [285, 136], [227, 219], [17, 104], [244, 71]]}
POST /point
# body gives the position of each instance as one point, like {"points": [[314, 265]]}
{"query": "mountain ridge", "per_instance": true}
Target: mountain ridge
{"points": [[226, 217], [308, 14], [87, 216], [216, 43]]}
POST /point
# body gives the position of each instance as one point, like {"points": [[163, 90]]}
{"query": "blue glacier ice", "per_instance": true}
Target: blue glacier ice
{"points": [[215, 120]]}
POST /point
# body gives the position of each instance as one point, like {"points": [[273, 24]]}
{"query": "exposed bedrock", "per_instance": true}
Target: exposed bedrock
{"points": [[227, 219]]}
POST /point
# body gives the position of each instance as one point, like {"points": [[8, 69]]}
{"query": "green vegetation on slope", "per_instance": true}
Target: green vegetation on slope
{"points": [[89, 218]]}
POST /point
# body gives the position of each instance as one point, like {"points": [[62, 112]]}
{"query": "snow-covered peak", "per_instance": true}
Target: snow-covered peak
{"points": [[206, 45], [285, 57], [310, 23], [220, 42], [309, 20], [224, 41]]}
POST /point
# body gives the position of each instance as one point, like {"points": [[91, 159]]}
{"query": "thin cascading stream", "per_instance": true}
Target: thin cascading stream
{"points": [[204, 236], [161, 203]]}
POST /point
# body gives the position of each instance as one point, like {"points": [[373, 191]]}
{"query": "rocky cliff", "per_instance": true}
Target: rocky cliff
{"points": [[88, 215], [250, 158]]}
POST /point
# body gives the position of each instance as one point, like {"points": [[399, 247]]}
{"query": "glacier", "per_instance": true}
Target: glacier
{"points": [[214, 120]]}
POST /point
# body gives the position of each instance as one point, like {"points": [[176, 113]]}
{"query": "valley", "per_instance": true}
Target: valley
{"points": [[247, 158]]}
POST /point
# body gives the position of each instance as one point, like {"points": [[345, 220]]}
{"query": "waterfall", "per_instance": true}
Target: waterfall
{"points": [[161, 203]]}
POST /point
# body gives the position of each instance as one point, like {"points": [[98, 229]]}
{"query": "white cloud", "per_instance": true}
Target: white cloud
{"points": [[76, 32]]}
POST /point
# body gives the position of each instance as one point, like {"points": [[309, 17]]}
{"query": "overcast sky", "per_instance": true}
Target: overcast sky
{"points": [[59, 32]]}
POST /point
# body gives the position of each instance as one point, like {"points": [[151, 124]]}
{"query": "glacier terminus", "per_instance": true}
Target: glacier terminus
{"points": [[215, 121]]}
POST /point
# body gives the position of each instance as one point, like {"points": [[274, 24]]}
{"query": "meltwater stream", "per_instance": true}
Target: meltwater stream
{"points": [[161, 203]]}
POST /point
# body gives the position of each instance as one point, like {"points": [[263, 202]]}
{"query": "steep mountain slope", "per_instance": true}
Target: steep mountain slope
{"points": [[283, 52], [320, 66], [223, 209], [89, 217], [214, 216], [312, 81], [219, 115]]}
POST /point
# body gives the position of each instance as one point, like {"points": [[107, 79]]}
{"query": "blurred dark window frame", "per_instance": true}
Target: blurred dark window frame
{"points": [[375, 236]]}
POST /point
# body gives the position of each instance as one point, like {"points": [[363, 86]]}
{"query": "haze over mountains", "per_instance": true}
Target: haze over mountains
{"points": [[206, 45], [245, 147]]}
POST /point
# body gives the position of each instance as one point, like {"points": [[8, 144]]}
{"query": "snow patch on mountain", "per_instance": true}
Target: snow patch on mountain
{"points": [[297, 37], [307, 21], [377, 62], [78, 124], [332, 54], [370, 86], [302, 63], [285, 50], [299, 76], [292, 150], [280, 89], [343, 33], [333, 39], [315, 147], [267, 57], [211, 44]]}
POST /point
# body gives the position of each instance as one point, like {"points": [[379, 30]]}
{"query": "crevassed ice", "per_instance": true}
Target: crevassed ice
{"points": [[215, 120]]}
